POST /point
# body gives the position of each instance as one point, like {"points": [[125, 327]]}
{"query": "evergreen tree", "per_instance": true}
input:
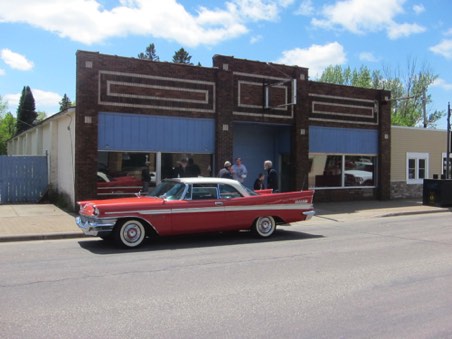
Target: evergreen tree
{"points": [[26, 112], [65, 103], [182, 57], [149, 54]]}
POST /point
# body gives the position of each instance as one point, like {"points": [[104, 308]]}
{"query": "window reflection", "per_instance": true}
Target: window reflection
{"points": [[126, 173], [359, 171], [341, 170]]}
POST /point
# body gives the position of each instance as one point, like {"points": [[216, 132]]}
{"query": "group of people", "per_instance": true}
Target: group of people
{"points": [[238, 172], [187, 168]]}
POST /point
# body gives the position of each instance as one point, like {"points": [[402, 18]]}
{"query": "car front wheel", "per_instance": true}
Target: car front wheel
{"points": [[264, 226], [130, 233]]}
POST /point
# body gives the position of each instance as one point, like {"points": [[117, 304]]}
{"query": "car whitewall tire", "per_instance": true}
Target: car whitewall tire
{"points": [[130, 233], [264, 226]]}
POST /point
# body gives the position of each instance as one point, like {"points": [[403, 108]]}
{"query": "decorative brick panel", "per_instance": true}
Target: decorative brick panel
{"points": [[147, 91]]}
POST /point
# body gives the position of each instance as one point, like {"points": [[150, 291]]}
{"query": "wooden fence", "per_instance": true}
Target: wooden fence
{"points": [[23, 179]]}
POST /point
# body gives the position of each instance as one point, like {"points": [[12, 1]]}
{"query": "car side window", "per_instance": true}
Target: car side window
{"points": [[228, 192], [201, 192]]}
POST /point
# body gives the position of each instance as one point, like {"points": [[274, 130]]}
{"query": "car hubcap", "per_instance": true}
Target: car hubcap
{"points": [[265, 226], [132, 233]]}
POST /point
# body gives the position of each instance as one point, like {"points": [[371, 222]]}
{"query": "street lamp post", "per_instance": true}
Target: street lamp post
{"points": [[448, 141]]}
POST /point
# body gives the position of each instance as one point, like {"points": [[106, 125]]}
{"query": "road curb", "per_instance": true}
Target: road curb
{"points": [[397, 214], [47, 236]]}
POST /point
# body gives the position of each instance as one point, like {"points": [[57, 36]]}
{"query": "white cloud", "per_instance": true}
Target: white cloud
{"points": [[396, 31], [444, 48], [368, 56], [15, 60], [257, 10], [364, 16], [45, 101], [418, 9], [441, 83], [316, 57], [88, 22], [255, 39], [306, 8], [2, 72]]}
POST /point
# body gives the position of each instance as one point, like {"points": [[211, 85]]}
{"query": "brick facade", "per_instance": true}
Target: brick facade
{"points": [[232, 91]]}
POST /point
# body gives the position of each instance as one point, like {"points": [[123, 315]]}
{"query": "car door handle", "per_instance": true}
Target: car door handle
{"points": [[218, 203]]}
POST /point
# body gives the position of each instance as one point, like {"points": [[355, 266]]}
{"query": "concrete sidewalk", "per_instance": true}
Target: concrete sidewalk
{"points": [[46, 221], [36, 222]]}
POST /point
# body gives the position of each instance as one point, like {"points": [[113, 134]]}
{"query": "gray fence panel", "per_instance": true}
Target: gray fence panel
{"points": [[23, 179]]}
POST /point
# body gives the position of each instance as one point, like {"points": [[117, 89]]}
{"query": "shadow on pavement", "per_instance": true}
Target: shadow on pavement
{"points": [[194, 241]]}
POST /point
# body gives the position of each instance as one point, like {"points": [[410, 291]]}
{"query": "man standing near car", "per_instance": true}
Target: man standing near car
{"points": [[272, 176], [226, 171], [239, 171]]}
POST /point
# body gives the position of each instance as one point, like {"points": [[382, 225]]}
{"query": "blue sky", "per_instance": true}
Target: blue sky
{"points": [[39, 38]]}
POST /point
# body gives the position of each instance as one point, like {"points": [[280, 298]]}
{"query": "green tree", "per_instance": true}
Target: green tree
{"points": [[7, 126], [409, 91], [182, 57], [65, 103], [26, 111], [149, 54], [41, 116]]}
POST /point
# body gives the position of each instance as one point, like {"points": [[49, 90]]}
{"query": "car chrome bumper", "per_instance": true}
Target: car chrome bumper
{"points": [[95, 227], [309, 214]]}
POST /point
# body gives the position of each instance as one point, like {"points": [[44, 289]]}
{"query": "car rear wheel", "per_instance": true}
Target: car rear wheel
{"points": [[130, 233], [264, 226]]}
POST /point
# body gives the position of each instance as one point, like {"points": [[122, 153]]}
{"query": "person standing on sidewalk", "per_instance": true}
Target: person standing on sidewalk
{"points": [[239, 171], [226, 171], [272, 176]]}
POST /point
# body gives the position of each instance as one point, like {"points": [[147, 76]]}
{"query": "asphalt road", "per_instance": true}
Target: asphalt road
{"points": [[380, 278]]}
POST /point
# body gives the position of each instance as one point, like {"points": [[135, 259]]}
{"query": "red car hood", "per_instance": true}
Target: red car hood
{"points": [[117, 204]]}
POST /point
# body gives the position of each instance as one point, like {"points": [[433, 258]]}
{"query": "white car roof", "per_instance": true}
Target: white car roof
{"points": [[215, 181]]}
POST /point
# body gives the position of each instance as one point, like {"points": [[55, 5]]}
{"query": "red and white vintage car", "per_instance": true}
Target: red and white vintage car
{"points": [[192, 205]]}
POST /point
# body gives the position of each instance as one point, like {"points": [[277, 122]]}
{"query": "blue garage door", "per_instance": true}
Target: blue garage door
{"points": [[257, 143]]}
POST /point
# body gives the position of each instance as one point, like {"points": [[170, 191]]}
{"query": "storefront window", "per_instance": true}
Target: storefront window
{"points": [[444, 165], [186, 165], [116, 164], [341, 170]]}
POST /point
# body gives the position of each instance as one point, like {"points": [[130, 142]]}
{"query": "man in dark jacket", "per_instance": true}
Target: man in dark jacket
{"points": [[226, 171], [272, 176]]}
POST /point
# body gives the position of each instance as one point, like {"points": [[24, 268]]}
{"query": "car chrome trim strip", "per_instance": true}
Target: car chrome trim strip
{"points": [[280, 207]]}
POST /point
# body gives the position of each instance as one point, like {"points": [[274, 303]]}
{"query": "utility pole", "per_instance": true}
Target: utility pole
{"points": [[448, 142], [424, 106]]}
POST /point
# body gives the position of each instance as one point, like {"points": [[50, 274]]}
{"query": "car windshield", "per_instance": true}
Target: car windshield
{"points": [[169, 190], [249, 190]]}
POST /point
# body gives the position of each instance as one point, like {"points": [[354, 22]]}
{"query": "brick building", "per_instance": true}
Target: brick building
{"points": [[132, 112]]}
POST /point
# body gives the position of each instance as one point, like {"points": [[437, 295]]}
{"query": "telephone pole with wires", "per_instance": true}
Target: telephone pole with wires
{"points": [[448, 143]]}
